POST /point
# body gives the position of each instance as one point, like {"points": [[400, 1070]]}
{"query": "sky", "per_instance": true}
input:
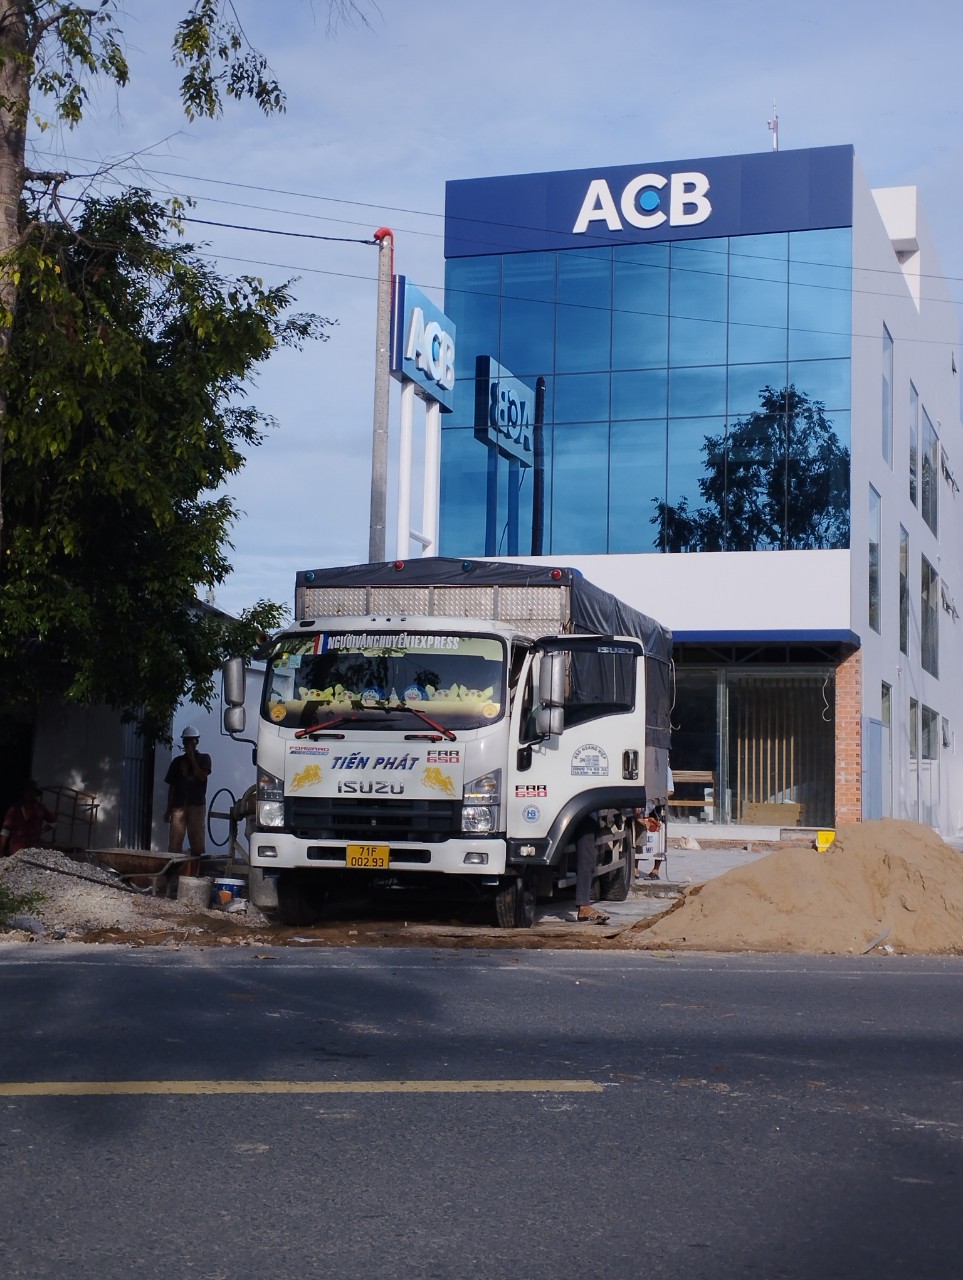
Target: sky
{"points": [[380, 115]]}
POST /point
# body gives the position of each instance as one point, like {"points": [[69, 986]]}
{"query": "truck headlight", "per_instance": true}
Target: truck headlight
{"points": [[481, 800], [270, 800]]}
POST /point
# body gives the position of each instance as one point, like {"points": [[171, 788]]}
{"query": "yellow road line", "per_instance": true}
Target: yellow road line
{"points": [[89, 1088]]}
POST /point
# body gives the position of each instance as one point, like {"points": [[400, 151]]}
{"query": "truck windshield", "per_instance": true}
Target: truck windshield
{"points": [[457, 680]]}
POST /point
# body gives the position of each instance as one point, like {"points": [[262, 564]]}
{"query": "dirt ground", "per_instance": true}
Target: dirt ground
{"points": [[89, 903], [884, 886]]}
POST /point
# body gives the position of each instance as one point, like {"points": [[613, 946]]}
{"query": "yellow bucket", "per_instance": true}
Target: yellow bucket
{"points": [[824, 839]]}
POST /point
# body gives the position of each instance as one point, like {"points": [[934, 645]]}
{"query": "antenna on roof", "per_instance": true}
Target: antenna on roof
{"points": [[774, 127]]}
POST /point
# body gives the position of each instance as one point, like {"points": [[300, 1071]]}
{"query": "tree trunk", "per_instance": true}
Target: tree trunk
{"points": [[15, 69]]}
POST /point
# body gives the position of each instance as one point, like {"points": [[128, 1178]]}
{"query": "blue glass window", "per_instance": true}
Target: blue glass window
{"points": [[698, 290], [641, 393], [820, 298], [640, 306], [584, 316], [697, 391], [527, 344], [464, 472], [693, 520], [581, 397], [529, 275], [580, 489], [824, 380], [637, 485], [472, 287], [747, 385], [758, 298]]}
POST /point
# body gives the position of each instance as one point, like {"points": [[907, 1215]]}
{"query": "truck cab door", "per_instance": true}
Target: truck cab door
{"points": [[580, 730]]}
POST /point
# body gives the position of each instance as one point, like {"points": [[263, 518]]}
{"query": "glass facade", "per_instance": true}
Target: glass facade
{"points": [[696, 397]]}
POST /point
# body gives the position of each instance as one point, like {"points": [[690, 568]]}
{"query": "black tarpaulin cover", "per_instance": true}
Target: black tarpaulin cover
{"points": [[594, 611]]}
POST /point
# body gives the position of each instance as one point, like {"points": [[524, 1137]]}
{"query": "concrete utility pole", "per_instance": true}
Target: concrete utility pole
{"points": [[379, 442]]}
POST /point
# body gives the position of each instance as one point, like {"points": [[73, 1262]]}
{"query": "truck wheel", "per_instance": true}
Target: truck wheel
{"points": [[515, 905], [615, 886], [300, 903]]}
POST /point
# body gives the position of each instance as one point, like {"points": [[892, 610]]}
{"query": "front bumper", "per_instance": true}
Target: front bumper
{"points": [[277, 850]]}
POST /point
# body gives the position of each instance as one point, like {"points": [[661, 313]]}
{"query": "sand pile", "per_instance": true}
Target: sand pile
{"points": [[890, 884]]}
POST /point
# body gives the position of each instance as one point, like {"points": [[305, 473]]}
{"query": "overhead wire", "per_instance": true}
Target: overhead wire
{"points": [[445, 289], [895, 273]]}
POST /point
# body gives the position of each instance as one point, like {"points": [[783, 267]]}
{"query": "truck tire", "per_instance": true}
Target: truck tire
{"points": [[615, 886], [300, 903], [515, 905]]}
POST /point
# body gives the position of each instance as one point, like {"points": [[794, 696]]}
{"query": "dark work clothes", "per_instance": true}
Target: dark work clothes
{"points": [[186, 789]]}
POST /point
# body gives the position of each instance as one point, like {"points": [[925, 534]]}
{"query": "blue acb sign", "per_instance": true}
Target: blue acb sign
{"points": [[504, 411], [422, 344], [721, 196]]}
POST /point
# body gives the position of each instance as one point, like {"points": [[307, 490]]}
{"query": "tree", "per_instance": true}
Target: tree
{"points": [[777, 479], [125, 411], [52, 49], [121, 362]]}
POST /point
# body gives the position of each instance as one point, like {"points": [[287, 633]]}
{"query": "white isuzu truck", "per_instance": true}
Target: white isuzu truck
{"points": [[459, 723]]}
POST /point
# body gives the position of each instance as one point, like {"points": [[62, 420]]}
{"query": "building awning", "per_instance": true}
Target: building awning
{"points": [[820, 635]]}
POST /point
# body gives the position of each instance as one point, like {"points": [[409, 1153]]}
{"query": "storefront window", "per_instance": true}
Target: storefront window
{"points": [[753, 746]]}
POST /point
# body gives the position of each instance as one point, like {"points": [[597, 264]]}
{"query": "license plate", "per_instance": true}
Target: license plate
{"points": [[368, 857]]}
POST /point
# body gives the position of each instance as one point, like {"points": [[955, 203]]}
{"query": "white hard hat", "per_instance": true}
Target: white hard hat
{"points": [[191, 731]]}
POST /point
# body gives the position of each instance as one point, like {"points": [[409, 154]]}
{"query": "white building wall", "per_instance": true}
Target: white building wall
{"points": [[910, 298], [712, 591]]}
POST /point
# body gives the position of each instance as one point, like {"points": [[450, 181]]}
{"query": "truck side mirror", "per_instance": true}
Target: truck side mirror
{"points": [[233, 680], [549, 714], [233, 677], [234, 720]]}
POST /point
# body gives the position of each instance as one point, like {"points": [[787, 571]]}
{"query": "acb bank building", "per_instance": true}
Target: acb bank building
{"points": [[727, 390]]}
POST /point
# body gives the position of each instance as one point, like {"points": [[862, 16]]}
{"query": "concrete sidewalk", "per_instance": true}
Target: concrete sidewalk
{"points": [[684, 867], [693, 866]]}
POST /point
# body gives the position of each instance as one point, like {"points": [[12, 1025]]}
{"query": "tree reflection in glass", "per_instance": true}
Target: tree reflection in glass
{"points": [[777, 479]]}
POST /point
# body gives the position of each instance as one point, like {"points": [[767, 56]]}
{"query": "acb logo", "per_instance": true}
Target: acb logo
{"points": [[431, 348], [645, 203]]}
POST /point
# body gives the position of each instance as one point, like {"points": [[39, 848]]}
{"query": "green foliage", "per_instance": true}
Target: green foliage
{"points": [[56, 49], [123, 362], [125, 384], [15, 904], [210, 45], [67, 45]]}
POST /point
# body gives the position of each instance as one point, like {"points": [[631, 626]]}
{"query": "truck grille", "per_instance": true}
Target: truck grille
{"points": [[321, 818]]}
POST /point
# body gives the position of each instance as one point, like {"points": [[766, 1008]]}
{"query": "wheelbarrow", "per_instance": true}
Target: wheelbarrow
{"points": [[141, 868]]}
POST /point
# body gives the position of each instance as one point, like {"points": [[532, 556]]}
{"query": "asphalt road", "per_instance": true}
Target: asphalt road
{"points": [[268, 1114]]}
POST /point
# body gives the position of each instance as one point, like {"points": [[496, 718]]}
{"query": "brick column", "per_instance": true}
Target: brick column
{"points": [[849, 739]]}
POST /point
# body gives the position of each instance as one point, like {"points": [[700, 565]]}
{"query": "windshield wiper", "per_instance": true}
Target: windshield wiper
{"points": [[332, 721], [439, 728], [324, 724]]}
